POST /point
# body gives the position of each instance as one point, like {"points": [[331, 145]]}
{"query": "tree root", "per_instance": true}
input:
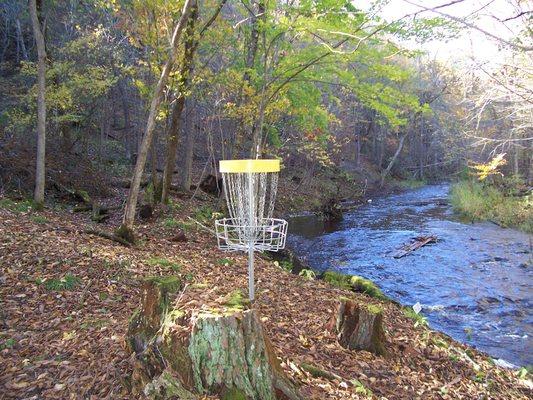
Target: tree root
{"points": [[317, 372]]}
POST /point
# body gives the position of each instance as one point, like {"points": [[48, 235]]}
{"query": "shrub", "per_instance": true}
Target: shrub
{"points": [[479, 202], [203, 213], [286, 265], [16, 206], [419, 319], [308, 274]]}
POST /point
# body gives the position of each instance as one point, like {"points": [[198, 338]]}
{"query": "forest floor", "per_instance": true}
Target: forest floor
{"points": [[66, 298]]}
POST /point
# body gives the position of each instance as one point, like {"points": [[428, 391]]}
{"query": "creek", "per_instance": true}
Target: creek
{"points": [[475, 284]]}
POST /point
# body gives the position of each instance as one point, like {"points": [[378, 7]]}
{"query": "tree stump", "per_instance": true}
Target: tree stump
{"points": [[146, 211], [185, 355], [360, 327]]}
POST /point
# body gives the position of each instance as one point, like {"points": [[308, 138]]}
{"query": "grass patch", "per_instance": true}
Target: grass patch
{"points": [[225, 262], [163, 262], [39, 219], [174, 205], [419, 319], [362, 285], [16, 206], [338, 280], [479, 202], [374, 309], [94, 323], [167, 284], [172, 223], [285, 264], [8, 344], [68, 282]]}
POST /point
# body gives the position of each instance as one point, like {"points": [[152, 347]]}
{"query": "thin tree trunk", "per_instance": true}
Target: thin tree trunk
{"points": [[516, 160], [177, 109], [188, 155], [20, 39], [131, 204], [172, 145], [153, 170], [41, 106], [393, 160]]}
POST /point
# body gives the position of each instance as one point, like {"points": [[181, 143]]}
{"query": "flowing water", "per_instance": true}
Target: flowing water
{"points": [[474, 284]]}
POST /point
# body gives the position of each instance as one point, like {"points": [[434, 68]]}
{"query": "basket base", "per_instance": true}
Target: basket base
{"points": [[234, 235]]}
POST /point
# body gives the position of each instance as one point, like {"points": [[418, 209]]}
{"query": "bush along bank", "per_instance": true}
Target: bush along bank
{"points": [[507, 205]]}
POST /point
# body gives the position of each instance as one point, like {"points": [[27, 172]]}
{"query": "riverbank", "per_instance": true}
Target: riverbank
{"points": [[481, 270], [477, 202], [67, 296]]}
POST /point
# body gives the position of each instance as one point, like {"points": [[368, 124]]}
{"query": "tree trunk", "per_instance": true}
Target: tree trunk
{"points": [[126, 229], [188, 155], [393, 160], [360, 327], [188, 354], [177, 109], [20, 39], [41, 107]]}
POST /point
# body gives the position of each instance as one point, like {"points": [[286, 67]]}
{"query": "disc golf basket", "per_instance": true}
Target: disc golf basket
{"points": [[250, 191]]}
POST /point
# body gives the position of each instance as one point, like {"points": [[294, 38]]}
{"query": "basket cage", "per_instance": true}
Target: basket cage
{"points": [[250, 199]]}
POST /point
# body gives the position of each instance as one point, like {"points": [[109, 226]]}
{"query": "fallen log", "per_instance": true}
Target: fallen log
{"points": [[94, 232], [189, 354], [418, 242], [360, 327]]}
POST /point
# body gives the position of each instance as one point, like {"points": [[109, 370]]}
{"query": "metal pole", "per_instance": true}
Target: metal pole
{"points": [[251, 290], [251, 235]]}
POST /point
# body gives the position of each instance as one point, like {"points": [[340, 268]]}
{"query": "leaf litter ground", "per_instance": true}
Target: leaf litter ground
{"points": [[66, 297]]}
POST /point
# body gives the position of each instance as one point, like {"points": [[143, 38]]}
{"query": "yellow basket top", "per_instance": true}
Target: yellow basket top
{"points": [[249, 166]]}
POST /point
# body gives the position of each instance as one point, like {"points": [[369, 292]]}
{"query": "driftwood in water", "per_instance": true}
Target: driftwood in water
{"points": [[360, 327], [415, 245], [187, 355]]}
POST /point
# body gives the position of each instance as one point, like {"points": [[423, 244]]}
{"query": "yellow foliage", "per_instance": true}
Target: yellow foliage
{"points": [[484, 170]]}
